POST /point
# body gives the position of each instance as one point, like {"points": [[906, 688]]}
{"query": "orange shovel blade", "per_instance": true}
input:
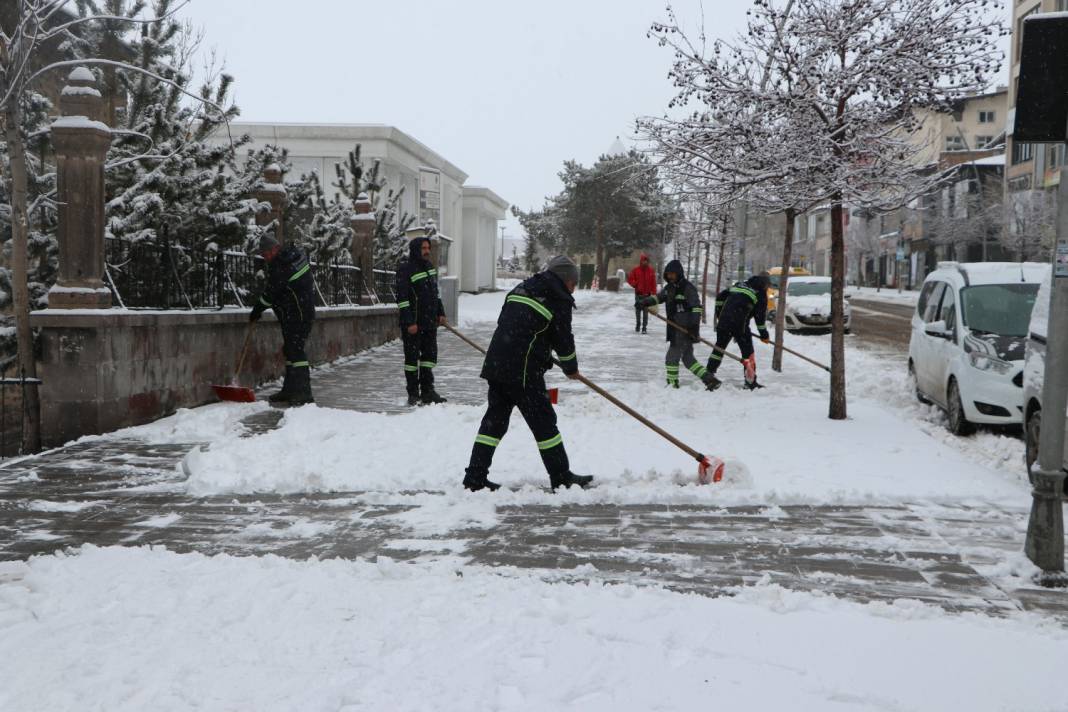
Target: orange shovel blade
{"points": [[237, 394], [710, 470]]}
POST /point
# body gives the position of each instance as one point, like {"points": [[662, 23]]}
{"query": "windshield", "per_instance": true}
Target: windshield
{"points": [[806, 289], [1003, 309], [773, 280]]}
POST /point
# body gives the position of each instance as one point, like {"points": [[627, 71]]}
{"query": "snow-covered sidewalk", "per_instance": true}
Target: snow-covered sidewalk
{"points": [[862, 559]]}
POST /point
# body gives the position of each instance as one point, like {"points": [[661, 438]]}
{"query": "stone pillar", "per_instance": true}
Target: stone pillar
{"points": [[273, 192], [363, 243], [81, 142]]}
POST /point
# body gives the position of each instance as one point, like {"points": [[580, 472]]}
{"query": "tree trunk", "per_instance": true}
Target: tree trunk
{"points": [[704, 280], [20, 271], [719, 266], [784, 281], [837, 410], [602, 265]]}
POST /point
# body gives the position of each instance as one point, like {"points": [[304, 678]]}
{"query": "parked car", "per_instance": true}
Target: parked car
{"points": [[808, 305], [969, 331], [1034, 375], [774, 276]]}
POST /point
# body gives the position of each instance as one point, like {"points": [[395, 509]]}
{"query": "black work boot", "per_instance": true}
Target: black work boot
{"points": [[282, 396], [412, 383], [475, 481], [569, 478], [431, 396], [711, 382], [301, 393]]}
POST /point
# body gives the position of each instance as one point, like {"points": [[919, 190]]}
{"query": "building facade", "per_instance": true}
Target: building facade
{"points": [[433, 186]]}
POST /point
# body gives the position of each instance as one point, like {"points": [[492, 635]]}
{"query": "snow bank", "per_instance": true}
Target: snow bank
{"points": [[209, 423], [886, 294], [140, 628], [791, 452]]}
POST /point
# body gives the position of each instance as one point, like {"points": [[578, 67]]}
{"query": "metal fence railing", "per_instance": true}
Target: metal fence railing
{"points": [[161, 275]]}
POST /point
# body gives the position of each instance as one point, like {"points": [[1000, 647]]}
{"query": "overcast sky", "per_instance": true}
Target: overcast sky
{"points": [[505, 89]]}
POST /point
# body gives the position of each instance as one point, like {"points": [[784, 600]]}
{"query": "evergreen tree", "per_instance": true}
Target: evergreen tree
{"points": [[391, 221]]}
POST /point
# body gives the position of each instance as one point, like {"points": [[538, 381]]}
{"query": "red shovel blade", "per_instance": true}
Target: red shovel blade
{"points": [[710, 470], [237, 394]]}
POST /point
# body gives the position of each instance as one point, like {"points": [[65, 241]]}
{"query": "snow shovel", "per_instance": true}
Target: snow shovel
{"points": [[802, 357], [709, 468], [664, 319], [234, 392]]}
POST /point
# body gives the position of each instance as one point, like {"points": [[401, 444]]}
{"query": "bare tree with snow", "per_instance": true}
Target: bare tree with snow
{"points": [[844, 81]]}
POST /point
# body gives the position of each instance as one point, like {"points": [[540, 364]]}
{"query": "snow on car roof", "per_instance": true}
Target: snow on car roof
{"points": [[996, 272], [794, 279]]}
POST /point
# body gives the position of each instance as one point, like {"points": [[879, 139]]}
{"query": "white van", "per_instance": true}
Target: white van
{"points": [[1035, 374], [969, 334]]}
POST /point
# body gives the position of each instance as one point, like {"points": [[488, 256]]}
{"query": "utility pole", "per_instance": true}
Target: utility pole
{"points": [[1045, 37], [501, 258]]}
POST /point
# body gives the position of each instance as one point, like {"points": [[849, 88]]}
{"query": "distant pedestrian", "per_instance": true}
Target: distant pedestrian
{"points": [[643, 279], [534, 322], [735, 306], [290, 292], [421, 312], [683, 308]]}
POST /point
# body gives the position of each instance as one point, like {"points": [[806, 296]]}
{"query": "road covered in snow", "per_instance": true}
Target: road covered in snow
{"points": [[327, 558]]}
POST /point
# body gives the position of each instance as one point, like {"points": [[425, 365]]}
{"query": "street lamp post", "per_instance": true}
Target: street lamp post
{"points": [[501, 258]]}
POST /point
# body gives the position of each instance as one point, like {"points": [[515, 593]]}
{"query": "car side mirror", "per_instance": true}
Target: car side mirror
{"points": [[937, 329]]}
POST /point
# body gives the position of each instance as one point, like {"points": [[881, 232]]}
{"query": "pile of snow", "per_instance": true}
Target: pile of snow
{"points": [[142, 628], [218, 421]]}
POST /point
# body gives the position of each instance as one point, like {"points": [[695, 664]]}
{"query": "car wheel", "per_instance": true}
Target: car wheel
{"points": [[916, 386], [958, 424], [1031, 433]]}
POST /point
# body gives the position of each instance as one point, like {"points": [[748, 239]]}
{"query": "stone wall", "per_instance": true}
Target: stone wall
{"points": [[107, 369]]}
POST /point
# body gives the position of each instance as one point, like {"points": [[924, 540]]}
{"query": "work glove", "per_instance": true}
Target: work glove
{"points": [[764, 335], [647, 301], [255, 314]]}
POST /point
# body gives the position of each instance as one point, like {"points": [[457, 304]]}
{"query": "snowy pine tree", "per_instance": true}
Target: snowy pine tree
{"points": [[391, 222]]}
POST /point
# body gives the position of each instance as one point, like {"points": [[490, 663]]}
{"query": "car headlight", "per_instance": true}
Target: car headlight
{"points": [[989, 363]]}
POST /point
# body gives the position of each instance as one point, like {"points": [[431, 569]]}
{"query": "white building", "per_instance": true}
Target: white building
{"points": [[433, 186]]}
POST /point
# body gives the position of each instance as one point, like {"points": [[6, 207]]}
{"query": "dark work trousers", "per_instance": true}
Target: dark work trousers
{"points": [[681, 348], [420, 358], [641, 316], [294, 337], [723, 337], [533, 404]]}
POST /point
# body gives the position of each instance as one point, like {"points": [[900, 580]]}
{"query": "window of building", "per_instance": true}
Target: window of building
{"points": [[954, 143], [1021, 152], [1020, 183], [983, 141], [1061, 6], [987, 117], [1054, 157]]}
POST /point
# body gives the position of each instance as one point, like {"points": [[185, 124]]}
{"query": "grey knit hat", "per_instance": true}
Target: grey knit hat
{"points": [[267, 242], [564, 268]]}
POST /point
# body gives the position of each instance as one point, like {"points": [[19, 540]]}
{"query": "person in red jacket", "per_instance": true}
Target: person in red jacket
{"points": [[643, 279]]}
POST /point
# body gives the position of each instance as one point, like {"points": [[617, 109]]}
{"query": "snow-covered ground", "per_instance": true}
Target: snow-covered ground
{"points": [[144, 628], [886, 294], [122, 629]]}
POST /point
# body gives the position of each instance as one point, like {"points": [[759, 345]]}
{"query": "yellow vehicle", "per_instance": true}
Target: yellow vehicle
{"points": [[773, 291]]}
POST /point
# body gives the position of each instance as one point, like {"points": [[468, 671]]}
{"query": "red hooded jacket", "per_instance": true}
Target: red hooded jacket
{"points": [[643, 279]]}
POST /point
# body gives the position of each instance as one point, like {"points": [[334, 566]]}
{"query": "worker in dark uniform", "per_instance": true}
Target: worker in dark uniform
{"points": [[421, 312], [735, 306], [535, 320], [290, 291], [683, 308]]}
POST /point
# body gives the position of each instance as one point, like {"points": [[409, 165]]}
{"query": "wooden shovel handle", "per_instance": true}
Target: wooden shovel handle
{"points": [[244, 349], [702, 339]]}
